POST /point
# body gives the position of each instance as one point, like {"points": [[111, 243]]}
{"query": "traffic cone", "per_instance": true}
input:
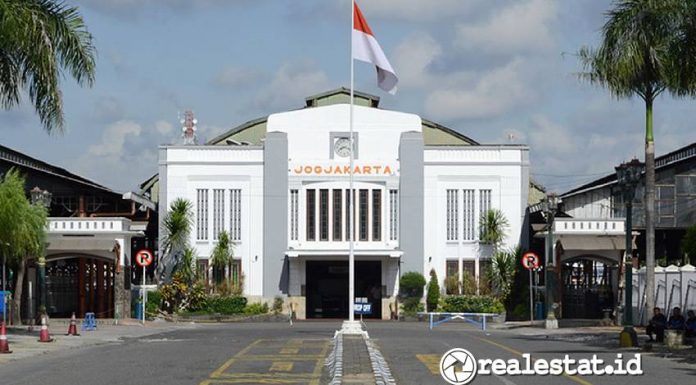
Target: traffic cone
{"points": [[4, 345], [44, 336], [72, 329]]}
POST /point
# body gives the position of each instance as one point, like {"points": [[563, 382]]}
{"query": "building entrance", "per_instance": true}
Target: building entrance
{"points": [[327, 287]]}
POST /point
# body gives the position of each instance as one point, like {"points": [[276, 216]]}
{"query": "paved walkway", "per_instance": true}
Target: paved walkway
{"points": [[357, 368], [24, 343]]}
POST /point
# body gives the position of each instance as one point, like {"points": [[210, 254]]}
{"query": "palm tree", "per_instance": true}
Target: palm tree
{"points": [[642, 54], [493, 227], [39, 40], [187, 266], [502, 271], [177, 227], [22, 230], [221, 256]]}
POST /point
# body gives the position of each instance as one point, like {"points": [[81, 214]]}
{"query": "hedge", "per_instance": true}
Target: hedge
{"points": [[472, 304], [226, 305]]}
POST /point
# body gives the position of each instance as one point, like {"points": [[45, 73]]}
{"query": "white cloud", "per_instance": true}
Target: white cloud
{"points": [[547, 136], [290, 84], [114, 138], [418, 10], [413, 58], [233, 77], [492, 94], [521, 27], [163, 127]]}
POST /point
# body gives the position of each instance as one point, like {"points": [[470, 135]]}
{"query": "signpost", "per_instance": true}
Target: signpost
{"points": [[144, 258], [362, 307], [530, 261]]}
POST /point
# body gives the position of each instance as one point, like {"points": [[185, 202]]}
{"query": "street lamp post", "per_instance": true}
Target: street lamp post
{"points": [[43, 198], [627, 177], [550, 206]]}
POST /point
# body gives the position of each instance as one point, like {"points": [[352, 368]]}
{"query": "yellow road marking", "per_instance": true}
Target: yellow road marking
{"points": [[281, 366], [289, 351], [280, 363], [577, 379], [431, 361]]}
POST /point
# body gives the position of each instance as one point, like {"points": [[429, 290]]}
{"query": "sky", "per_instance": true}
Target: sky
{"points": [[498, 71]]}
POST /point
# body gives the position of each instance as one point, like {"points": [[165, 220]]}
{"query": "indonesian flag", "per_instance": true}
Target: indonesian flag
{"points": [[367, 49]]}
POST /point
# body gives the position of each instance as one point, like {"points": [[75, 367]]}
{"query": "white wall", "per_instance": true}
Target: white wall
{"points": [[221, 167], [498, 168]]}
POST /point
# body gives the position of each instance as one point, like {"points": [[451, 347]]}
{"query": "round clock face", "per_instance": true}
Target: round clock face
{"points": [[342, 147]]}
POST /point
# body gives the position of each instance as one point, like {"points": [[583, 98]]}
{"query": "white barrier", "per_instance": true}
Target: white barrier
{"points": [[675, 286]]}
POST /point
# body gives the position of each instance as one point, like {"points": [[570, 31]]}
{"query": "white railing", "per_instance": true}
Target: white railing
{"points": [[88, 224], [588, 226]]}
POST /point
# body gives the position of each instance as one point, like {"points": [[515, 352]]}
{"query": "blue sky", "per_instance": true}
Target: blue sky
{"points": [[499, 71]]}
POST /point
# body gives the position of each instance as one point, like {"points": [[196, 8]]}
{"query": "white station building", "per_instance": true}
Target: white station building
{"points": [[280, 186]]}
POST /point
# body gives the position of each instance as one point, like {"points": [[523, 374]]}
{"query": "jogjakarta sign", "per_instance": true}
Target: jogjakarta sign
{"points": [[366, 169]]}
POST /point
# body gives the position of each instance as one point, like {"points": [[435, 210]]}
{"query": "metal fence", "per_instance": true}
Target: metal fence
{"points": [[675, 286]]}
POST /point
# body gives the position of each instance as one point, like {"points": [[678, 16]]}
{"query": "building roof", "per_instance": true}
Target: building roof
{"points": [[19, 159], [253, 131], [676, 156]]}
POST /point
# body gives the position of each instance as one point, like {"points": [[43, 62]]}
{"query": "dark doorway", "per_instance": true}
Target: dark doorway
{"points": [[327, 287], [80, 285], [588, 288]]}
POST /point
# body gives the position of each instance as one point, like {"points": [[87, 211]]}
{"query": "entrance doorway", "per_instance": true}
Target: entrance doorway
{"points": [[327, 288], [588, 287], [80, 285]]}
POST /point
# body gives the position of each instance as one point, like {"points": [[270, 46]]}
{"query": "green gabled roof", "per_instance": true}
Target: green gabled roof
{"points": [[254, 131]]}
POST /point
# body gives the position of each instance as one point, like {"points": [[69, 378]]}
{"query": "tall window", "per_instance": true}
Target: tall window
{"points": [[218, 212], [202, 215], [349, 196], [393, 215], [323, 215], [337, 215], [311, 215], [452, 275], [294, 200], [469, 215], [484, 201], [452, 215], [235, 271], [362, 215], [376, 215], [236, 214]]}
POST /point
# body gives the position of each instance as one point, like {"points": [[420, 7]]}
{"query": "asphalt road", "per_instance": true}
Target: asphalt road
{"points": [[267, 353]]}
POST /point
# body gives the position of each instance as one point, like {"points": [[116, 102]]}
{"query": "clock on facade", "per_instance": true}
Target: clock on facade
{"points": [[342, 147]]}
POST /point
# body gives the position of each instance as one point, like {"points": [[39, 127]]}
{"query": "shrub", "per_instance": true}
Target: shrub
{"points": [[433, 296], [412, 284], [154, 301], [256, 308], [452, 285], [226, 305], [472, 304], [278, 304], [411, 306]]}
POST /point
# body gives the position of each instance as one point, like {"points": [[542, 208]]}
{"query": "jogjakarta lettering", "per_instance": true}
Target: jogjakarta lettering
{"points": [[343, 170]]}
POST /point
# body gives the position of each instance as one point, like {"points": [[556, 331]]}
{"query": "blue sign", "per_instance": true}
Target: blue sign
{"points": [[363, 308]]}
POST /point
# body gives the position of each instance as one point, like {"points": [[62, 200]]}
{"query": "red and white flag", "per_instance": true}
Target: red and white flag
{"points": [[367, 49]]}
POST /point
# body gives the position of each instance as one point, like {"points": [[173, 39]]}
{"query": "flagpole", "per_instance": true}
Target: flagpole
{"points": [[351, 196]]}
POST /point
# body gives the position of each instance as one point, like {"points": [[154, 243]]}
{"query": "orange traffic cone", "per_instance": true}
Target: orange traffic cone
{"points": [[4, 345], [72, 329], [44, 336]]}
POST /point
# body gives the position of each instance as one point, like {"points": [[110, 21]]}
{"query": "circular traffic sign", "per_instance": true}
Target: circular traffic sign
{"points": [[530, 261], [144, 258]]}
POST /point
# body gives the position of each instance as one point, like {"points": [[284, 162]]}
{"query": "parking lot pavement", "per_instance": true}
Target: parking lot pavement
{"points": [[414, 352]]}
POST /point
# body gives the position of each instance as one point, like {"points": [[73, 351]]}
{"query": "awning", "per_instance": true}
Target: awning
{"points": [[593, 242], [80, 244]]}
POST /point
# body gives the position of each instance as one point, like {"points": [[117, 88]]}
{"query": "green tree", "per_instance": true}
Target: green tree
{"points": [[177, 226], [493, 227], [187, 266], [643, 53], [22, 230], [40, 40], [433, 295], [221, 256], [502, 272]]}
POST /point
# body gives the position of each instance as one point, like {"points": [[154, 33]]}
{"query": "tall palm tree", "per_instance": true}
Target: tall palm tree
{"points": [[177, 227], [642, 54], [39, 40], [22, 230]]}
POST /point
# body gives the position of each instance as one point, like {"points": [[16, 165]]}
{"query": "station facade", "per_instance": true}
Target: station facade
{"points": [[279, 185]]}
